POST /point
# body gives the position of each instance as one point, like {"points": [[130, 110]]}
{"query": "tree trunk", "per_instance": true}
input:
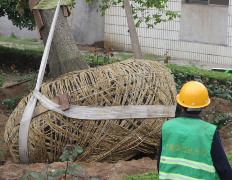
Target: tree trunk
{"points": [[64, 55], [136, 49]]}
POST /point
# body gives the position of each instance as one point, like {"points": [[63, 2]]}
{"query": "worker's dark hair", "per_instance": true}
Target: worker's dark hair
{"points": [[192, 111]]}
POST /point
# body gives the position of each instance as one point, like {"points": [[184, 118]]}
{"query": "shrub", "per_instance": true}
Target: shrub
{"points": [[22, 59]]}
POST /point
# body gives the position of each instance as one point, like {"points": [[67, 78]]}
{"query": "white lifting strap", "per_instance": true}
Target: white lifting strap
{"points": [[28, 112], [105, 113]]}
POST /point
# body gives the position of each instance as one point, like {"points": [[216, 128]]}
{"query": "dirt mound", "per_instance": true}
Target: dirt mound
{"points": [[226, 137], [9, 93], [101, 171], [219, 105]]}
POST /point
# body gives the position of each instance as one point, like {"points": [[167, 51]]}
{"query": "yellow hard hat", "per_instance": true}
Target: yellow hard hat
{"points": [[193, 95]]}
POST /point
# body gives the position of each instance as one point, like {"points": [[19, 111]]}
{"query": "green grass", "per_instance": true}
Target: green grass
{"points": [[229, 156], [153, 57], [124, 56], [219, 76], [146, 176], [18, 43]]}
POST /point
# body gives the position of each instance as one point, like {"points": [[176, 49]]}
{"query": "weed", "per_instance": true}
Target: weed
{"points": [[1, 151], [2, 78], [124, 56], [13, 36], [34, 40], [219, 119], [152, 57], [95, 58], [167, 58], [229, 157], [147, 176], [202, 66], [69, 154], [11, 103], [192, 64]]}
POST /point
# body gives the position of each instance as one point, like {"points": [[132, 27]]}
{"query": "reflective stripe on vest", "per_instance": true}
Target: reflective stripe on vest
{"points": [[173, 176], [188, 163]]}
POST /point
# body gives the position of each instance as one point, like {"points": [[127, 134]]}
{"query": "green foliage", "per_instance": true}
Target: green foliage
{"points": [[22, 59], [220, 89], [13, 36], [217, 83], [153, 57], [2, 78], [69, 154], [124, 56], [221, 77], [10, 104], [8, 7], [147, 176], [139, 11], [229, 157], [95, 58], [1, 151], [219, 119], [22, 43], [32, 76], [34, 40]]}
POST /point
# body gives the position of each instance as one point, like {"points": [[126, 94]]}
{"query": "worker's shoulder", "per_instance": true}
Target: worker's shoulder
{"points": [[188, 121]]}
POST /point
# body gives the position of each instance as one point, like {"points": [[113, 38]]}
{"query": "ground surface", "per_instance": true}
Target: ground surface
{"points": [[103, 171]]}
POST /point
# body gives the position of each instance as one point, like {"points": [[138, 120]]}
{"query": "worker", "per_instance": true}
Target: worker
{"points": [[190, 149]]}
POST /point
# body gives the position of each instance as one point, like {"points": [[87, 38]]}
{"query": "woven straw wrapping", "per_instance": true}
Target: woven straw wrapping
{"points": [[128, 83]]}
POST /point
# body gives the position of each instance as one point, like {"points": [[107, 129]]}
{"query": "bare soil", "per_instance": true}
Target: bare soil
{"points": [[102, 171], [221, 106]]}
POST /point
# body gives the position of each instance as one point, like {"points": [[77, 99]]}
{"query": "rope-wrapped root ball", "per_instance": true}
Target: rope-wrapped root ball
{"points": [[128, 83]]}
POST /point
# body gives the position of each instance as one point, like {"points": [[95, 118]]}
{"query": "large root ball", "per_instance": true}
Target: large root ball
{"points": [[127, 83]]}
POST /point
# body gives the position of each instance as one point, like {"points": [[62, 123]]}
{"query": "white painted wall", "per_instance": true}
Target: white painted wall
{"points": [[166, 37], [87, 25], [204, 23]]}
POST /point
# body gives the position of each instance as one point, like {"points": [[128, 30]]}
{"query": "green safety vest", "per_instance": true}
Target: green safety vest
{"points": [[186, 150]]}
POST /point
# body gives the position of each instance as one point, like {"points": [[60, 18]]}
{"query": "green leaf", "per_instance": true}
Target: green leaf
{"points": [[79, 149], [2, 153], [61, 172], [43, 173], [25, 176], [79, 167], [70, 159], [54, 173], [74, 154], [34, 175], [65, 152], [94, 179], [71, 169], [62, 156]]}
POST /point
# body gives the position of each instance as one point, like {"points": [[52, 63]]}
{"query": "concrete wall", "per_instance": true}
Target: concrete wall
{"points": [[87, 25], [6, 28], [204, 23], [166, 36]]}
